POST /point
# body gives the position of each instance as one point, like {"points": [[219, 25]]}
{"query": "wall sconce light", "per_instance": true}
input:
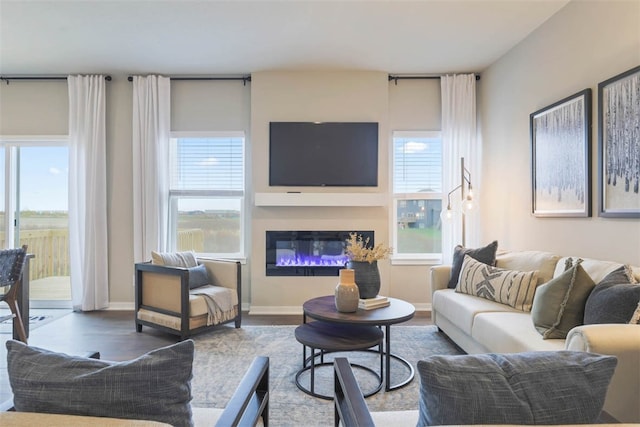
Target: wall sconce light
{"points": [[466, 198]]}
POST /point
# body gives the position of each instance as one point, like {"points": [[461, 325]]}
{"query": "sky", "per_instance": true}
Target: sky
{"points": [[44, 174]]}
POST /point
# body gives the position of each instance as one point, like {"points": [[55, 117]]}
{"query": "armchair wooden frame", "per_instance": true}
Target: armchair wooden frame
{"points": [[350, 407], [176, 281]]}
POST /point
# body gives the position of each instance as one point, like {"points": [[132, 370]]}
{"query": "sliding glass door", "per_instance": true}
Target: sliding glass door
{"points": [[35, 213]]}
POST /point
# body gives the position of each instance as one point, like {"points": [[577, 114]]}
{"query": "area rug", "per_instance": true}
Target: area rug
{"points": [[223, 356], [37, 318]]}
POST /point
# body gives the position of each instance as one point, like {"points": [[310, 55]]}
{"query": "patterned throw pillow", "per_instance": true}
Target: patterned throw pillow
{"points": [[614, 299], [558, 305], [514, 288], [155, 386], [485, 254], [541, 387]]}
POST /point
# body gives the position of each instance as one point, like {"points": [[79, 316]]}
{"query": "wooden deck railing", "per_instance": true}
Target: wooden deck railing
{"points": [[50, 248]]}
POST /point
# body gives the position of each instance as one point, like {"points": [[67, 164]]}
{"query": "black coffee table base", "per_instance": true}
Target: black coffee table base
{"points": [[324, 337]]}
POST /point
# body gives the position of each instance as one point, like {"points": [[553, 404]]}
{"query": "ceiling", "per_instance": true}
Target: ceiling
{"points": [[239, 37]]}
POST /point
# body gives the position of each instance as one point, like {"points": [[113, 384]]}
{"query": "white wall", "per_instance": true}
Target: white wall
{"points": [[585, 43]]}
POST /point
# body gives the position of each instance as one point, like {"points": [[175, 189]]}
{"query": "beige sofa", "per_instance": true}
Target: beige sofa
{"points": [[478, 325]]}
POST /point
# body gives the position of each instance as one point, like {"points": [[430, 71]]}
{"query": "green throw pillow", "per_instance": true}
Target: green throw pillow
{"points": [[155, 386], [558, 305]]}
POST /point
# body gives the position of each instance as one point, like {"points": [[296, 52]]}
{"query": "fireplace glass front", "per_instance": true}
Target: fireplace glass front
{"points": [[308, 253]]}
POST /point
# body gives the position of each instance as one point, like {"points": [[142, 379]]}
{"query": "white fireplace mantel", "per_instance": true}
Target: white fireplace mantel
{"points": [[320, 199]]}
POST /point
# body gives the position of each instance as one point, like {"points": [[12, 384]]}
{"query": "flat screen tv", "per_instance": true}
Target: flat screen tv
{"points": [[326, 154]]}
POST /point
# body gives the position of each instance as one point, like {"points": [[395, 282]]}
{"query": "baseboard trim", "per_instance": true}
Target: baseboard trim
{"points": [[120, 306]]}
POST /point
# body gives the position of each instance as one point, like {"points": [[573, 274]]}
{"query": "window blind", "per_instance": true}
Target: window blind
{"points": [[213, 163], [417, 165]]}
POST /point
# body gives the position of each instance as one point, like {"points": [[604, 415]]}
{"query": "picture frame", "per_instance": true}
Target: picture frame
{"points": [[561, 157], [619, 145]]}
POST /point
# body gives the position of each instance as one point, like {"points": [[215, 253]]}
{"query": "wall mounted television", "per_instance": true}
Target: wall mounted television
{"points": [[323, 154]]}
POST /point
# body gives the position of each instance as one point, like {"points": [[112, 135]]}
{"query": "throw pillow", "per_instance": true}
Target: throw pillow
{"points": [[198, 276], [174, 259], [558, 305], [486, 254], [542, 387], [155, 386], [614, 299], [635, 319], [514, 288]]}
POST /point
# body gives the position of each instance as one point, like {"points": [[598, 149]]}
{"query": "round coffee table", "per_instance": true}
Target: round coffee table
{"points": [[398, 311], [335, 337]]}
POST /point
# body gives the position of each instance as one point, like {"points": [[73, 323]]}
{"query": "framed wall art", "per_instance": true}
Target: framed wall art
{"points": [[561, 157], [619, 146]]}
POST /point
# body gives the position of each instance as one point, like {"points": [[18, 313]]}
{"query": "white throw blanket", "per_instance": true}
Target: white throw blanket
{"points": [[219, 299]]}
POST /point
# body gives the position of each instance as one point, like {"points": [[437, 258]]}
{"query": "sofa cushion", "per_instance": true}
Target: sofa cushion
{"points": [[595, 268], [514, 288], [508, 332], [155, 386], [461, 309], [555, 387], [543, 262], [613, 300], [486, 254], [558, 305], [174, 259], [198, 276]]}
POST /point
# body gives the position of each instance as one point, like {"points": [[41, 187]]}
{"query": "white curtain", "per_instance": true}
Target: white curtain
{"points": [[459, 139], [88, 193], [151, 126]]}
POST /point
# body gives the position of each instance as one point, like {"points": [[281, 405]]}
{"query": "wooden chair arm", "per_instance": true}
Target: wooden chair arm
{"points": [[250, 401], [350, 407]]}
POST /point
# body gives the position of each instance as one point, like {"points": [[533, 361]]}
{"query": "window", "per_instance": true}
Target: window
{"points": [[206, 193], [417, 195]]}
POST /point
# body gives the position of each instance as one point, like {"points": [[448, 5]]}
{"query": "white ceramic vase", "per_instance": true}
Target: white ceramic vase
{"points": [[347, 293]]}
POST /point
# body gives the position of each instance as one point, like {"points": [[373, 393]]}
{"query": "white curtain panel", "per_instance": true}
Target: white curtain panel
{"points": [[151, 126], [459, 139], [88, 193]]}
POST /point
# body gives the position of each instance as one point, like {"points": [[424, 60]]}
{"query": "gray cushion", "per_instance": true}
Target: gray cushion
{"points": [[486, 254], [558, 305], [614, 299], [198, 276], [155, 386], [544, 387]]}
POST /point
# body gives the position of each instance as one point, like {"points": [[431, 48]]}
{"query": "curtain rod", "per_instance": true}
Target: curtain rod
{"points": [[244, 79], [396, 78], [8, 78]]}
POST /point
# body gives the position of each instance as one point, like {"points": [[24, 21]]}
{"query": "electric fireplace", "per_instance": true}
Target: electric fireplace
{"points": [[308, 253]]}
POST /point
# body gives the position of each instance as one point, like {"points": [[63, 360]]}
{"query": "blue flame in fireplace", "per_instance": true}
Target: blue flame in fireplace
{"points": [[312, 261]]}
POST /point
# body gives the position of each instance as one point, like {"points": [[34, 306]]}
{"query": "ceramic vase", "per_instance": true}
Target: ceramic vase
{"points": [[367, 276], [347, 294]]}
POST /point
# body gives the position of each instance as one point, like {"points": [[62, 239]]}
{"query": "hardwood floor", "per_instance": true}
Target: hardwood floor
{"points": [[113, 334]]}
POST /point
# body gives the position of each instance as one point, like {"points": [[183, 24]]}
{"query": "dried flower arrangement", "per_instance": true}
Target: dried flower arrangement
{"points": [[358, 249]]}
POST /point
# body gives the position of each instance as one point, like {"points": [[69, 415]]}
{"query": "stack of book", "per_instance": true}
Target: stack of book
{"points": [[375, 302]]}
